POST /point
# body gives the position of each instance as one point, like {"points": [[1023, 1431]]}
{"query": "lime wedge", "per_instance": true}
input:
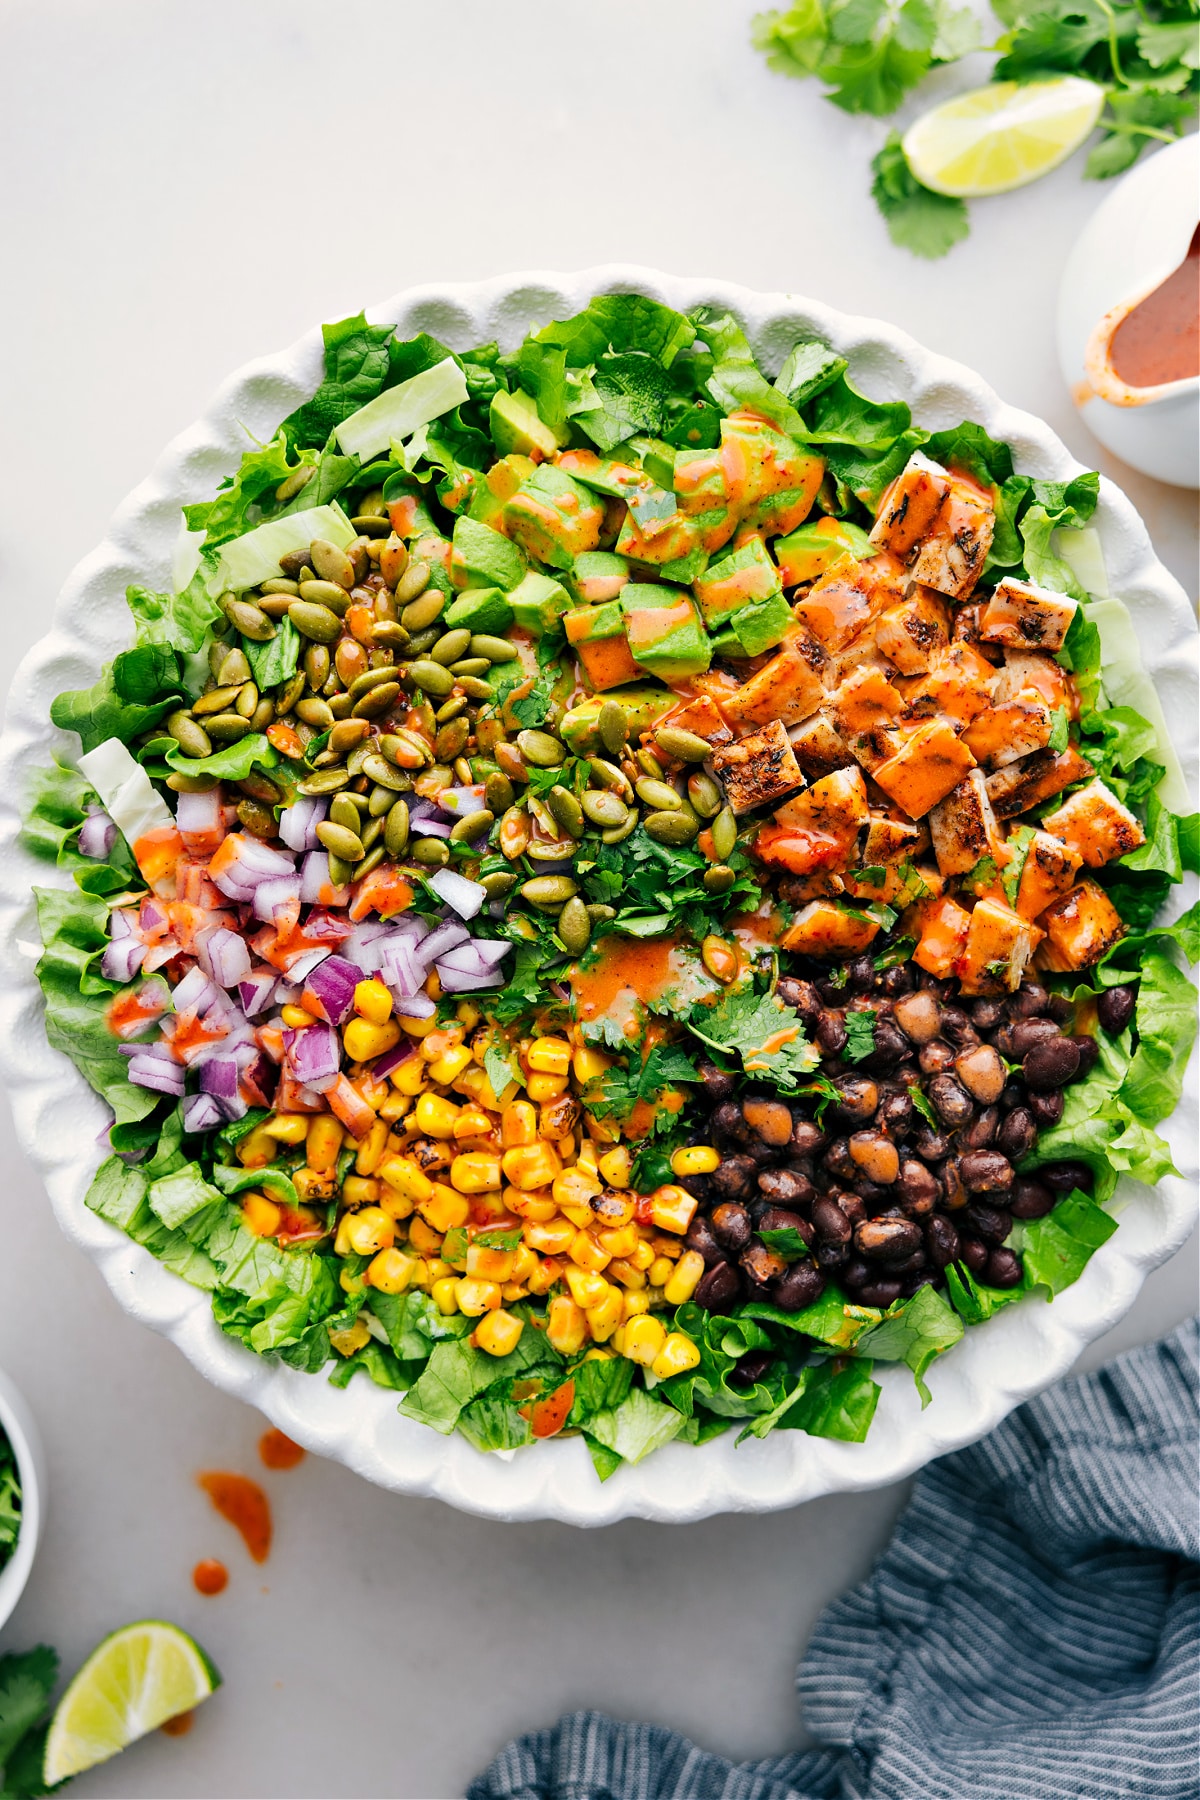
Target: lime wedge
{"points": [[134, 1681], [1001, 136]]}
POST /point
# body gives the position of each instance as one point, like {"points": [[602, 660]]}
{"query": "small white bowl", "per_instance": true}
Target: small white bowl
{"points": [[16, 1422], [1136, 238]]}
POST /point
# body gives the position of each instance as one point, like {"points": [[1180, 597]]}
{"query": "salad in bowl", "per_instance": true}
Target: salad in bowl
{"points": [[619, 892]]}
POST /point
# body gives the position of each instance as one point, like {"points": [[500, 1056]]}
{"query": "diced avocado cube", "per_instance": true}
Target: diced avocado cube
{"points": [[664, 630], [483, 558], [761, 627], [812, 549], [598, 575], [601, 474], [656, 457], [537, 601], [457, 490], [597, 636], [553, 517], [686, 569], [432, 548], [644, 705], [737, 580], [479, 609], [516, 425], [655, 536]]}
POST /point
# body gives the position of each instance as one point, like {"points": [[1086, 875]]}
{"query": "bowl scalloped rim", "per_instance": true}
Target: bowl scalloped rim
{"points": [[58, 1117]]}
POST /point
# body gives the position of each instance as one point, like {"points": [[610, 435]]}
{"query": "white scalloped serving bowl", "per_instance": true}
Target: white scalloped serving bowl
{"points": [[58, 1117]]}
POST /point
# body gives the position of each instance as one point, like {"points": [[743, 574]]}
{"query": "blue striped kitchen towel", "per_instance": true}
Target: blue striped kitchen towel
{"points": [[1029, 1634]]}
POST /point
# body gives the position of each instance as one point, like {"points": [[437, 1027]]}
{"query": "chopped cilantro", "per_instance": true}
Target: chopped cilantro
{"points": [[618, 1091], [661, 888], [1060, 735], [924, 1108], [875, 876], [786, 1243], [919, 220], [532, 709], [500, 1070], [860, 1036], [1017, 846], [767, 1035], [896, 952]]}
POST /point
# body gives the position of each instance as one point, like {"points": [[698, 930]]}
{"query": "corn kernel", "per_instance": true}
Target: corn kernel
{"points": [[295, 1017], [371, 1149], [642, 1257], [436, 1116], [409, 1078], [575, 1187], [445, 1208], [587, 1157], [622, 1270], [471, 1122], [588, 1064], [372, 1001], [447, 1068], [413, 1027], [391, 1271], [395, 1106], [539, 1204], [351, 1339], [260, 1215], [312, 1186], [685, 1278], [660, 1271], [586, 1253], [531, 1166], [475, 1172], [513, 1290], [257, 1149], [614, 1209], [605, 1317], [635, 1303], [676, 1357], [587, 1288], [467, 1014], [444, 1294], [441, 1039], [401, 1173], [363, 1040], [550, 1235], [662, 1244], [474, 1084], [396, 1206], [518, 1125], [702, 1159], [671, 1209], [601, 1131], [436, 1269], [361, 1190], [566, 1325], [349, 1282], [498, 1334], [541, 1088], [490, 1265], [370, 1230], [580, 1216], [323, 1142], [287, 1128], [525, 1261], [549, 1056], [476, 1297], [616, 1167], [341, 1240], [424, 1238], [620, 1240], [546, 1275], [643, 1339]]}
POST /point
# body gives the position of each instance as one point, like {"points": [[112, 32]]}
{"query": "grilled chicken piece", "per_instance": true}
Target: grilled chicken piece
{"points": [[909, 633], [959, 682], [845, 599], [951, 558], [824, 929], [963, 827], [942, 926], [1094, 823], [1079, 928], [817, 829], [1021, 785], [1010, 730], [1031, 669], [1026, 616], [1048, 872], [788, 688], [890, 841], [998, 948], [910, 506], [758, 769], [818, 748], [925, 768]]}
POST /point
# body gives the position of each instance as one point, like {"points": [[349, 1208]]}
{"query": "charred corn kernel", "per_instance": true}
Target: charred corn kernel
{"points": [[662, 1244], [370, 1230], [622, 1270], [587, 1287], [471, 1122], [498, 1334], [371, 1149], [621, 1240], [660, 1271], [615, 1167], [671, 1209], [395, 1106], [642, 1257], [351, 1339], [586, 1253], [439, 1041], [541, 1088], [257, 1149], [588, 1064], [295, 1017], [395, 1205], [475, 1172], [444, 1294], [518, 1125], [341, 1239], [587, 1157], [363, 1040], [372, 1001], [615, 1208], [685, 1278], [702, 1159], [449, 1067], [531, 1166], [287, 1128], [547, 1274], [409, 1078], [537, 1205], [643, 1339], [474, 1084], [260, 1215], [635, 1303], [361, 1190], [575, 1187], [445, 1208], [323, 1142], [490, 1265], [467, 1014], [435, 1116], [424, 1238], [525, 1261], [476, 1297], [676, 1357], [399, 1173], [604, 1318], [391, 1271], [566, 1325], [552, 1236], [549, 1056], [312, 1186]]}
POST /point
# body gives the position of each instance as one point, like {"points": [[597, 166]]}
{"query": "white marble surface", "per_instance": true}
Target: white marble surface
{"points": [[184, 188]]}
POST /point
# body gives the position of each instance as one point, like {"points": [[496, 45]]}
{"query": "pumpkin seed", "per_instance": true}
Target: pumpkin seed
{"points": [[499, 883], [315, 712], [370, 861], [233, 669], [515, 831], [393, 559], [228, 728], [603, 808], [371, 678], [609, 776], [342, 811], [191, 784], [256, 787], [451, 740], [350, 660], [471, 826], [430, 677], [290, 694], [250, 620], [474, 666], [340, 873], [552, 850], [613, 727], [566, 809], [317, 664], [294, 483], [192, 738], [704, 795], [421, 643], [371, 832], [281, 585], [218, 699], [455, 705], [496, 649], [389, 633], [395, 831], [375, 703], [464, 774], [618, 833], [719, 879], [316, 622], [430, 850], [685, 746], [658, 795], [499, 792], [574, 927], [724, 833], [649, 764], [340, 840], [263, 715], [450, 646], [549, 893], [247, 701], [331, 564], [274, 605], [324, 781], [671, 827], [385, 775], [346, 734], [474, 687], [327, 594], [258, 820], [599, 915], [540, 749], [413, 582], [379, 801], [293, 562], [339, 704], [488, 733], [407, 749]]}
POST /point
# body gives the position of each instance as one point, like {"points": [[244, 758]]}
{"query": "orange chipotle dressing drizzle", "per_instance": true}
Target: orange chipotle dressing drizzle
{"points": [[244, 1504], [278, 1451], [210, 1577], [179, 1726], [1159, 341]]}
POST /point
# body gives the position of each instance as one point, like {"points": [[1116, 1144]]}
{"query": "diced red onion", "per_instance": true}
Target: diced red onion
{"points": [[481, 953], [458, 981], [219, 1077], [158, 955], [314, 877], [288, 993], [418, 1005], [298, 822], [255, 993], [400, 966], [276, 896], [236, 1108], [333, 982], [445, 936], [227, 956], [459, 801], [325, 927], [97, 834], [201, 1113], [301, 967], [252, 862], [199, 820], [465, 897], [121, 922], [195, 993], [158, 1049], [159, 1076], [153, 916], [391, 1059], [431, 827], [313, 1055], [122, 958]]}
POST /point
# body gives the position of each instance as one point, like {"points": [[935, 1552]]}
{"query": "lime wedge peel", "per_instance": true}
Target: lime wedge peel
{"points": [[133, 1682], [1001, 136]]}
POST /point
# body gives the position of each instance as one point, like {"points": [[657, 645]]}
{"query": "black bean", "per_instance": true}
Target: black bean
{"points": [[935, 1057], [953, 1187], [762, 1155], [895, 981], [981, 1072], [1063, 1176], [941, 1240], [985, 1015], [832, 994], [838, 1161], [1031, 999], [829, 1221], [1017, 1134], [1028, 1032], [698, 1186], [750, 1369], [922, 1278], [856, 1271], [1030, 1199], [985, 1172], [731, 1226], [981, 1131], [1115, 1008], [830, 1032], [911, 1264], [950, 1101], [957, 1029], [770, 1120], [991, 1223], [831, 1256], [890, 1046], [762, 1265], [895, 1114], [700, 1238], [802, 1284], [787, 1186], [1003, 1269], [860, 974], [931, 1146], [919, 1016], [718, 1287], [875, 1198], [807, 1138], [879, 1291], [727, 1121], [1060, 1009], [734, 1176], [918, 1188], [801, 995], [886, 1240], [782, 1218], [851, 1203], [974, 1253], [857, 1097], [1051, 1064], [875, 1156], [1089, 1055], [1047, 1109], [1014, 1093], [718, 1083]]}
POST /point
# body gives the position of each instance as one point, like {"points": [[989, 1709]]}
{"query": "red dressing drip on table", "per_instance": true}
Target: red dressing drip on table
{"points": [[179, 1726], [1159, 341], [278, 1451], [210, 1577], [244, 1504]]}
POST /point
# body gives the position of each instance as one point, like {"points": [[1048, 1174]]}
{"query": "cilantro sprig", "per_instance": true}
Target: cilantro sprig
{"points": [[766, 1037]]}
